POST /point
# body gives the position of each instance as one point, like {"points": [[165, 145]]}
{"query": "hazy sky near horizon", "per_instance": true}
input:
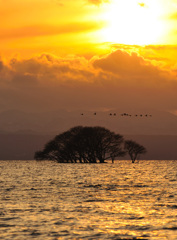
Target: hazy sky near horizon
{"points": [[88, 54]]}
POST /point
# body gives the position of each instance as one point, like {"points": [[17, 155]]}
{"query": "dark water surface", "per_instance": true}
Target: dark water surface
{"points": [[46, 200]]}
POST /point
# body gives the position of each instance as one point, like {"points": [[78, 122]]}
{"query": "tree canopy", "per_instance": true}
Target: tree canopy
{"points": [[134, 149], [86, 145]]}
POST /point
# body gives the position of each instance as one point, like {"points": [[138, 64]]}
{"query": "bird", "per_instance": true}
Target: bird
{"points": [[95, 113]]}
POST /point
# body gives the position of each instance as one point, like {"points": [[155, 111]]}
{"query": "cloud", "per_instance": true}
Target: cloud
{"points": [[173, 16], [24, 80], [1, 65], [59, 2], [142, 4], [163, 56], [119, 79], [47, 30], [127, 65], [98, 2]]}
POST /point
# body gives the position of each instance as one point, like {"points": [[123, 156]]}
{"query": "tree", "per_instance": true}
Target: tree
{"points": [[134, 149], [84, 145]]}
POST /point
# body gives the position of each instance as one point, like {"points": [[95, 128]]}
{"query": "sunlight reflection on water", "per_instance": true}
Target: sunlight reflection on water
{"points": [[46, 200]]}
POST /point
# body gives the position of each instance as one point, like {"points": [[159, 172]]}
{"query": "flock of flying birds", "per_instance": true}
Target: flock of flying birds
{"points": [[125, 115]]}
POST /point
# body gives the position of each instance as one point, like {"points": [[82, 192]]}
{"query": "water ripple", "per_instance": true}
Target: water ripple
{"points": [[46, 200]]}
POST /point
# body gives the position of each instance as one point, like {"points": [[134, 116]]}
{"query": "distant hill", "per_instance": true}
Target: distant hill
{"points": [[23, 146], [23, 133], [158, 147], [135, 122], [20, 146]]}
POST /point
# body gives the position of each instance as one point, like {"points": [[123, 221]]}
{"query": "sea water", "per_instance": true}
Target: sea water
{"points": [[47, 200]]}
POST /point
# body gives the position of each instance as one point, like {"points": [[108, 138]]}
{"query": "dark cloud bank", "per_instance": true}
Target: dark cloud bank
{"points": [[44, 95], [118, 80]]}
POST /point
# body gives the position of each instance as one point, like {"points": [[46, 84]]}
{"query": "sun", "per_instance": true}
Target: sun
{"points": [[133, 22]]}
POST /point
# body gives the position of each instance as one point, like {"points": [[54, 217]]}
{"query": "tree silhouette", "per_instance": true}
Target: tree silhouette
{"points": [[134, 149], [84, 145]]}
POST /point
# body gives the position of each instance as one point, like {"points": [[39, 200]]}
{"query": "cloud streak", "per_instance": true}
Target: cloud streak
{"points": [[49, 30]]}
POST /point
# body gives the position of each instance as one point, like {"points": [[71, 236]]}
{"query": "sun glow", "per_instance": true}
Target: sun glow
{"points": [[133, 22]]}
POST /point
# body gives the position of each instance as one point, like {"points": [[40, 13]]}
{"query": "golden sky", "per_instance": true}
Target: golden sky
{"points": [[64, 51], [66, 27]]}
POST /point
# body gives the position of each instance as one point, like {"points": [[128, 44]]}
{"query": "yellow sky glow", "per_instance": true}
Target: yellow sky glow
{"points": [[84, 27], [134, 22]]}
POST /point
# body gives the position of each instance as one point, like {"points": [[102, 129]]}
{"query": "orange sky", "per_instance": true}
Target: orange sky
{"points": [[71, 27], [58, 53]]}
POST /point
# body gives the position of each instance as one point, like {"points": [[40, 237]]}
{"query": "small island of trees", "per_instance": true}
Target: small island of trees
{"points": [[89, 145]]}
